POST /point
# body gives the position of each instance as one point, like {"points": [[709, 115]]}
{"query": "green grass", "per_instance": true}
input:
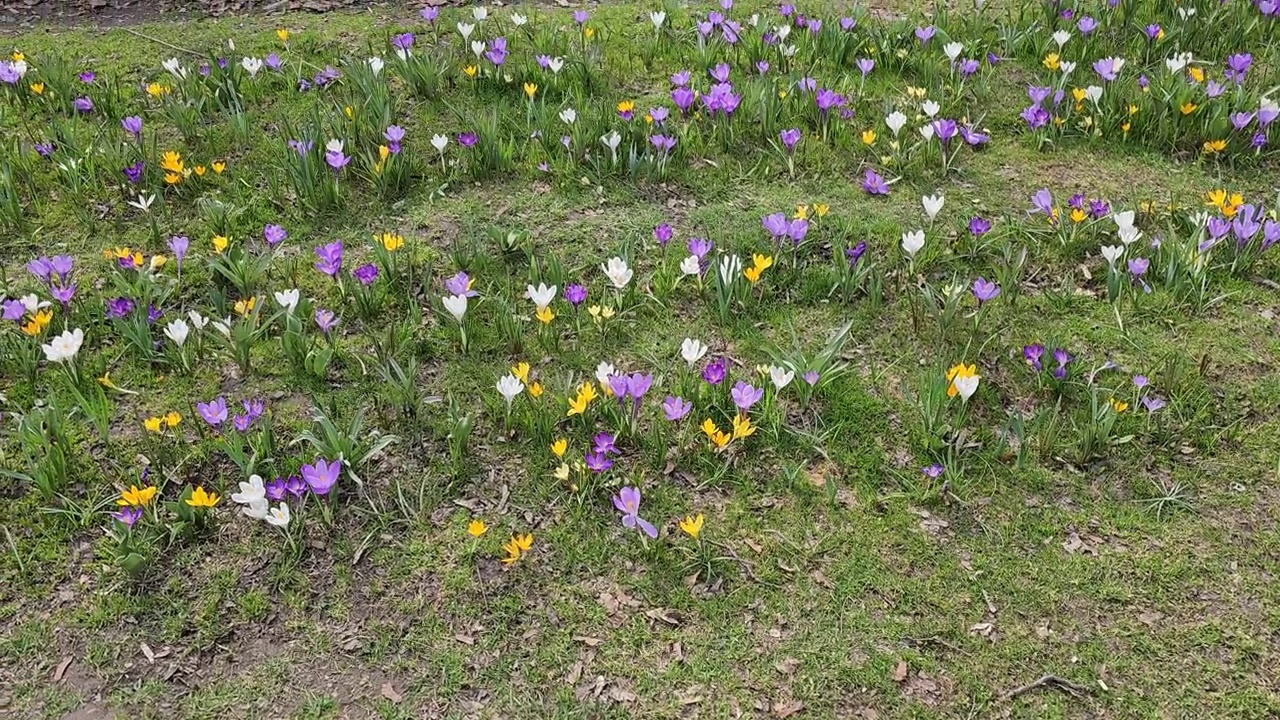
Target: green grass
{"points": [[840, 560]]}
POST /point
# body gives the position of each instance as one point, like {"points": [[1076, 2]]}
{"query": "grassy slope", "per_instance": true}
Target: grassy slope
{"points": [[1169, 613]]}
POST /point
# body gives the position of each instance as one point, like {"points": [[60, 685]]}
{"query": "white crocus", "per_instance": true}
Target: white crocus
{"points": [[952, 50], [64, 347], [1061, 37], [541, 295], [966, 385], [223, 326], [912, 242], [1186, 12], [480, 12], [933, 204], [1093, 94], [1112, 253], [692, 350], [657, 18], [279, 515], [1123, 219], [509, 386], [788, 51], [568, 115], [288, 299], [1177, 63], [333, 146], [258, 509], [781, 377], [198, 321], [33, 303], [175, 68], [375, 64], [456, 305], [896, 120], [439, 142], [611, 140], [1066, 66], [477, 47], [782, 31], [519, 20], [604, 371], [251, 65], [250, 492], [177, 331], [926, 131], [930, 107], [1128, 235], [691, 266], [555, 64], [617, 271], [465, 30], [143, 202]]}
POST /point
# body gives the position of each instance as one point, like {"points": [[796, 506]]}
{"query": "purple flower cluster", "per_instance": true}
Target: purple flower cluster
{"points": [[778, 228], [602, 446], [1033, 353], [55, 273]]}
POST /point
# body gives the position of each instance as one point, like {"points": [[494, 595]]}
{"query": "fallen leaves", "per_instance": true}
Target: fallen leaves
{"points": [[899, 672], [389, 692]]}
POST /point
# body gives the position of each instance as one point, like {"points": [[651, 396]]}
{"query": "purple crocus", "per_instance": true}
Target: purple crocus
{"points": [[127, 516], [1138, 266], [675, 408], [744, 396], [213, 412], [272, 61], [1086, 25], [87, 77], [62, 265], [683, 98], [775, 225], [402, 42], [979, 226], [1042, 201], [580, 17], [275, 489], [968, 67], [1035, 116], [873, 183], [336, 159], [325, 320], [467, 139], [659, 114], [720, 73], [680, 79], [1152, 403], [1140, 381], [178, 245], [83, 104], [63, 294], [133, 173], [1032, 354], [119, 307], [295, 486], [627, 501], [604, 443], [330, 258], [933, 472], [790, 138], [430, 13], [985, 290], [662, 234], [944, 129], [1152, 31], [923, 34], [1241, 120], [865, 66], [715, 371], [366, 273], [153, 314], [321, 476], [132, 125], [597, 462], [1238, 66], [1062, 357], [855, 253], [274, 235], [699, 247], [41, 268], [460, 284], [393, 134], [575, 295], [13, 310]]}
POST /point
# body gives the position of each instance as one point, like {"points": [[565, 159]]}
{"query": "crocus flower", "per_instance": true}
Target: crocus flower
{"points": [[275, 489], [575, 295], [63, 294], [274, 235], [597, 462], [855, 253], [467, 139], [985, 290], [979, 226], [873, 183], [330, 258], [1042, 201], [132, 125], [213, 412], [61, 265], [127, 516], [178, 245], [865, 66], [810, 377], [1238, 66], [1138, 266], [627, 501], [119, 307], [366, 273], [744, 396], [790, 138], [295, 485], [1062, 357], [1032, 354], [715, 371], [923, 34], [676, 408], [461, 284], [1152, 403], [133, 173], [932, 471], [325, 320], [272, 61], [321, 476], [83, 104], [604, 443]]}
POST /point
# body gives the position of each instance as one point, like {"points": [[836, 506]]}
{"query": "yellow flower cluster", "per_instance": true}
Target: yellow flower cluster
{"points": [[168, 420]]}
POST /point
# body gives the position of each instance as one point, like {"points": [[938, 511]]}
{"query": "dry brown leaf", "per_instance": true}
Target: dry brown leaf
{"points": [[787, 709], [900, 671], [588, 641], [389, 692], [62, 668], [787, 666], [465, 639]]}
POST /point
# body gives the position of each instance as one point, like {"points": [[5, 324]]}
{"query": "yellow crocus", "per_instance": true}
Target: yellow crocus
{"points": [[1197, 74], [530, 89], [171, 161], [282, 35], [1188, 108], [1119, 406], [158, 261], [37, 88], [220, 243], [37, 323], [392, 242], [742, 427], [802, 212], [218, 166], [1078, 215], [521, 371], [868, 136], [626, 106], [512, 550], [199, 171], [545, 316], [589, 32], [1214, 146], [172, 419], [201, 499], [1051, 61], [470, 71], [692, 525], [244, 307], [535, 390], [821, 209], [476, 528], [559, 447], [137, 497], [152, 424]]}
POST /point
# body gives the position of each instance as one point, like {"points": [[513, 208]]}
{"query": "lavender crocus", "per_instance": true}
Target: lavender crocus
{"points": [[178, 245], [460, 284], [1032, 354], [604, 443], [627, 501], [1062, 357], [865, 66], [979, 226], [63, 294], [83, 104], [597, 462], [715, 371], [744, 396], [275, 489], [132, 125], [329, 259], [1152, 403], [133, 173], [127, 516], [676, 408], [467, 139], [985, 290], [322, 475], [365, 274], [662, 234], [923, 34], [325, 320], [933, 472], [790, 138], [295, 486], [213, 412], [274, 235], [873, 183]]}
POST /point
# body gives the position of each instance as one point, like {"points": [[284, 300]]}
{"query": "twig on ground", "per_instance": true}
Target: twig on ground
{"points": [[165, 43], [1050, 681]]}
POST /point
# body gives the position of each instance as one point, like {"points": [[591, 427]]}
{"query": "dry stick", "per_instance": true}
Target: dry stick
{"points": [[1052, 681], [169, 45]]}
